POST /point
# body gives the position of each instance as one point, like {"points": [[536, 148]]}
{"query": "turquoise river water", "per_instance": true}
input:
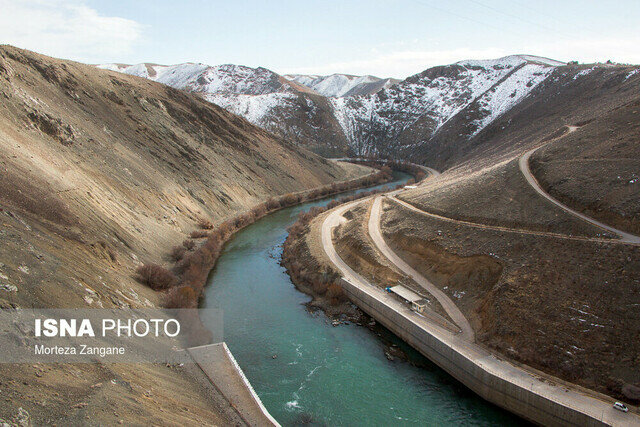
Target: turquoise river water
{"points": [[324, 375]]}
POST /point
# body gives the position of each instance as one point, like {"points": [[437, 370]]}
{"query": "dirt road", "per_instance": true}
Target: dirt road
{"points": [[526, 171], [597, 407], [447, 304]]}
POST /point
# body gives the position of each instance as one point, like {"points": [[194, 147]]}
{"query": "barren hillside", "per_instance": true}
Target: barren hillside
{"points": [[566, 300], [101, 171]]}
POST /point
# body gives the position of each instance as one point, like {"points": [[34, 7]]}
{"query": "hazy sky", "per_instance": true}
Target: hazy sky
{"points": [[384, 38]]}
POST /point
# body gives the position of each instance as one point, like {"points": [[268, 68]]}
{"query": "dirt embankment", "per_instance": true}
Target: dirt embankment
{"points": [[496, 195], [596, 169], [566, 307], [100, 172]]}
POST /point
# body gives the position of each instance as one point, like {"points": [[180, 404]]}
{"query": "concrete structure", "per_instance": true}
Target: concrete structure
{"points": [[417, 303], [515, 390], [518, 389], [220, 367], [406, 294]]}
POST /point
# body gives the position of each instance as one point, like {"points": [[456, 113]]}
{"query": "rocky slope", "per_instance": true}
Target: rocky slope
{"points": [[100, 171], [264, 98], [342, 85], [342, 114], [413, 112]]}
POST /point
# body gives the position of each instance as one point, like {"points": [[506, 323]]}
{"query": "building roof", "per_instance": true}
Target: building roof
{"points": [[405, 293]]}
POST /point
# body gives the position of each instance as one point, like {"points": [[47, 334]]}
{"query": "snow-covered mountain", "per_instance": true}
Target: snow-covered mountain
{"points": [[263, 97], [414, 110], [342, 114], [339, 85]]}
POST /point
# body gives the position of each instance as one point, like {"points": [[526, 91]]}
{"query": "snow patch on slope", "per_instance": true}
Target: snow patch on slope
{"points": [[257, 109], [335, 85], [510, 92]]}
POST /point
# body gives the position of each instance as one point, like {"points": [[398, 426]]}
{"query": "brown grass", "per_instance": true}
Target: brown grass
{"points": [[199, 234], [192, 268], [156, 277]]}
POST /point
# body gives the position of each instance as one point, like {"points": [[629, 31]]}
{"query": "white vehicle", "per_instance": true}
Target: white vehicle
{"points": [[621, 407]]}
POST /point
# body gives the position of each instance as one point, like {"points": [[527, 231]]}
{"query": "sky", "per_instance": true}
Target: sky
{"points": [[383, 38]]}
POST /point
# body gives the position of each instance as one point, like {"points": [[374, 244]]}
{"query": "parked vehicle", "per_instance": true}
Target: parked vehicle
{"points": [[621, 407]]}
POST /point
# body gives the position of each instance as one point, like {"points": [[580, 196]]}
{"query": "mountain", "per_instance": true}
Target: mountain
{"points": [[99, 172], [339, 85], [342, 114], [413, 112], [261, 96], [434, 115]]}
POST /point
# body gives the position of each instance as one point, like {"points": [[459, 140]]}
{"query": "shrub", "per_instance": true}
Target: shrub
{"points": [[225, 229], [335, 293], [319, 287], [259, 211], [180, 297], [199, 234], [205, 224], [272, 204], [177, 253], [386, 171], [156, 276], [189, 244], [290, 199]]}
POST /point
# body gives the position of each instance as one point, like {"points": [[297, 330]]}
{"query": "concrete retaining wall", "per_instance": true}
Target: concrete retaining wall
{"points": [[519, 397], [220, 367]]}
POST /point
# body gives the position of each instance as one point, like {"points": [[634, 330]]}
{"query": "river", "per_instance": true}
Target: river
{"points": [[324, 375]]}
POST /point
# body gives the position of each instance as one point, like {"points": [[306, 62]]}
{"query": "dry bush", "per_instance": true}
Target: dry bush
{"points": [[272, 204], [199, 234], [290, 199], [205, 224], [177, 253], [319, 287], [180, 297], [386, 171], [156, 276], [335, 293], [259, 211], [189, 244], [332, 204], [225, 229]]}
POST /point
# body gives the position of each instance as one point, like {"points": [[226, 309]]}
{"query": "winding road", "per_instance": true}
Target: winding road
{"points": [[596, 406], [523, 162], [526, 171], [413, 208], [485, 363], [447, 304]]}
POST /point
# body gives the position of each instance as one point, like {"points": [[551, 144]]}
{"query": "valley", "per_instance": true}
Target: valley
{"points": [[100, 173], [521, 236]]}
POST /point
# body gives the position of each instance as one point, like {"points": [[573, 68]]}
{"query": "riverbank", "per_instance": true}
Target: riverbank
{"points": [[304, 369], [320, 280], [182, 285], [521, 390]]}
